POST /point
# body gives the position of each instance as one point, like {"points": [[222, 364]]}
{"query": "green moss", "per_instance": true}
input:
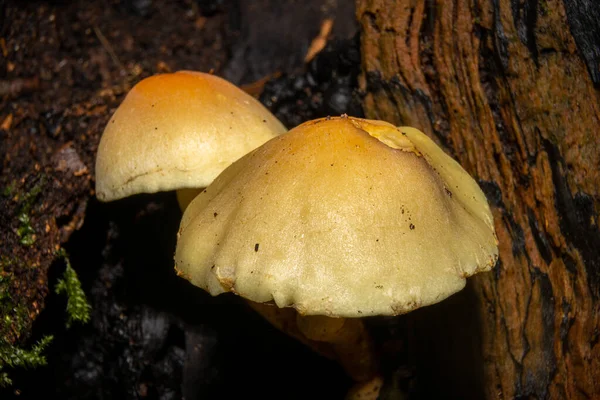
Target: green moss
{"points": [[15, 320], [15, 357], [25, 231], [9, 190], [78, 308], [13, 311], [29, 197]]}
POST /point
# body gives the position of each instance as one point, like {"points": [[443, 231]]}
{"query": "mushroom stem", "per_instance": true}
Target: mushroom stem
{"points": [[349, 339], [185, 196], [343, 339], [368, 390], [284, 319]]}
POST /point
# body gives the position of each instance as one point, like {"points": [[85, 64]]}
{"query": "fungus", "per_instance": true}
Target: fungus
{"points": [[178, 132], [354, 219]]}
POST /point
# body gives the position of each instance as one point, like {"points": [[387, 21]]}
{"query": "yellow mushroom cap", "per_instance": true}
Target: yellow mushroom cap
{"points": [[177, 131], [341, 217]]}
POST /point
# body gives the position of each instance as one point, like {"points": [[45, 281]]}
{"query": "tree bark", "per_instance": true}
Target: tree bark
{"points": [[511, 90]]}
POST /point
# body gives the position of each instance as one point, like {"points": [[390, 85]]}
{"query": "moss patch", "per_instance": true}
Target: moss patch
{"points": [[15, 321], [13, 310], [25, 231], [78, 308], [14, 357]]}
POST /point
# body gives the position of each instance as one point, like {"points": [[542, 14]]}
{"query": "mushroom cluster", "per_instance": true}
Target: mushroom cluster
{"points": [[339, 218]]}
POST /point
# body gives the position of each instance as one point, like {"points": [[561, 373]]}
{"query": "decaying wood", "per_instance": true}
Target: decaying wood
{"points": [[509, 88]]}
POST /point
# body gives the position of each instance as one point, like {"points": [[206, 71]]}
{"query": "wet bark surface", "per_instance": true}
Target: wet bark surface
{"points": [[510, 89], [65, 67]]}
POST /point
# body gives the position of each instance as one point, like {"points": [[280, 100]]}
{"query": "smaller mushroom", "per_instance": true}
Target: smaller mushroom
{"points": [[340, 218], [178, 132]]}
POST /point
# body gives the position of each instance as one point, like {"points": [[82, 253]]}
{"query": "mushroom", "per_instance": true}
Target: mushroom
{"points": [[178, 131], [340, 218]]}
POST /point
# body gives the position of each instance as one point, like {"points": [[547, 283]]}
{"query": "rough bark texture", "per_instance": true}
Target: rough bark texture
{"points": [[510, 89]]}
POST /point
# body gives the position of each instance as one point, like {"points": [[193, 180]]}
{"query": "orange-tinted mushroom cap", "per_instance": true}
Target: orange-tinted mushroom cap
{"points": [[179, 130]]}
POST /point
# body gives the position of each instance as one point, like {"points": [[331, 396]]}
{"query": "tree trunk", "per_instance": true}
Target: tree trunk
{"points": [[511, 90]]}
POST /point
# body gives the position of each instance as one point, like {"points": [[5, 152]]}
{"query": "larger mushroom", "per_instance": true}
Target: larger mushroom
{"points": [[340, 218], [178, 132]]}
